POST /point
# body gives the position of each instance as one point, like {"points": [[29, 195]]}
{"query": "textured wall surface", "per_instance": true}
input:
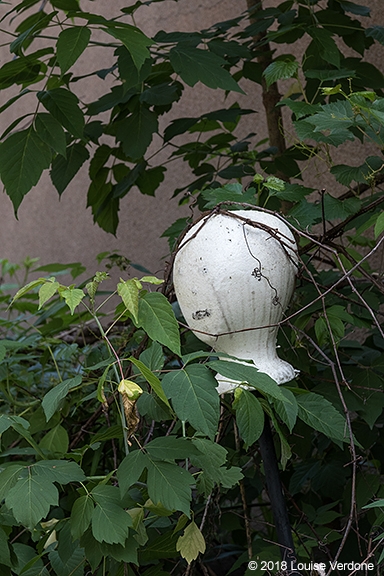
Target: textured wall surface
{"points": [[62, 230]]}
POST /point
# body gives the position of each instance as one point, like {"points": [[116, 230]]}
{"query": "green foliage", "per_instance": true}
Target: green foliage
{"points": [[96, 480]]}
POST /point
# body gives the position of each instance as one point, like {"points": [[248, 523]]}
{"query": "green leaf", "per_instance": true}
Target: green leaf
{"points": [[52, 399], [379, 226], [71, 43], [135, 42], [31, 498], [61, 471], [376, 32], [65, 169], [191, 543], [194, 397], [170, 485], [250, 375], [194, 65], [249, 416], [281, 69], [47, 290], [130, 470], [156, 317], [152, 380], [64, 106], [72, 297], [51, 132], [129, 74], [149, 180], [325, 45], [135, 132], [28, 287], [320, 414], [287, 412], [23, 157], [128, 290], [170, 448], [110, 522], [72, 565], [8, 478], [56, 440], [4, 549]]}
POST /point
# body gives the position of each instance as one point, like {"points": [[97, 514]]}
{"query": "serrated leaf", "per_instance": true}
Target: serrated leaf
{"points": [[31, 498], [64, 106], [379, 226], [194, 397], [280, 70], [51, 132], [52, 399], [4, 549], [249, 417], [71, 43], [110, 522], [191, 543], [152, 380], [170, 448], [81, 515], [130, 470], [325, 45], [194, 65], [135, 132], [156, 317], [23, 157], [28, 287], [56, 440], [250, 375], [128, 290], [287, 412], [170, 485], [134, 40], [47, 290], [72, 297], [65, 169], [71, 566], [8, 478], [61, 471], [321, 415]]}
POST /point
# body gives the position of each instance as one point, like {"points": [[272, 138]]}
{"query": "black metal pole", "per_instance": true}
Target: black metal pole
{"points": [[276, 496]]}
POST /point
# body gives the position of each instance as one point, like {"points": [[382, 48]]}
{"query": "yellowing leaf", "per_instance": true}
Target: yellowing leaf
{"points": [[191, 543], [47, 290], [73, 297], [128, 290]]}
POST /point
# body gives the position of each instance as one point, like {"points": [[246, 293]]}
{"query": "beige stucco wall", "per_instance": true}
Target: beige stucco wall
{"points": [[62, 230]]}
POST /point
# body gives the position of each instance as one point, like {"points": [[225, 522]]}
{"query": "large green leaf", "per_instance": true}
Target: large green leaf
{"points": [[31, 498], [320, 414], [128, 290], [65, 169], [194, 397], [194, 65], [249, 416], [211, 459], [134, 40], [52, 399], [23, 157], [131, 469], [64, 106], [135, 132], [170, 485], [71, 43], [51, 132], [250, 375], [158, 320], [110, 522]]}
